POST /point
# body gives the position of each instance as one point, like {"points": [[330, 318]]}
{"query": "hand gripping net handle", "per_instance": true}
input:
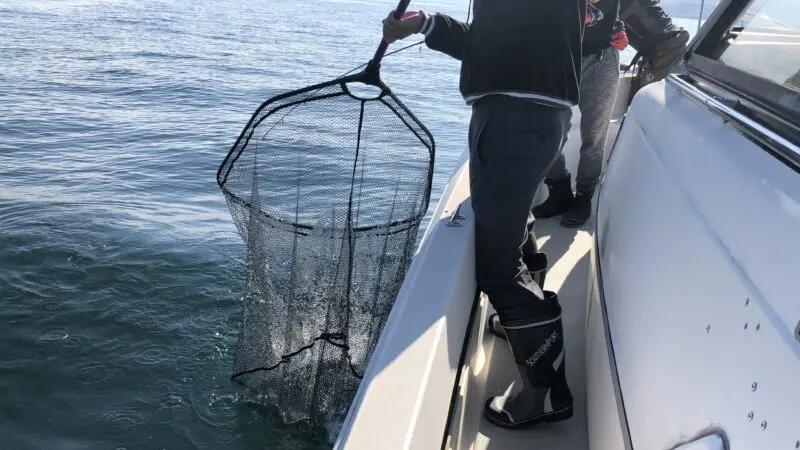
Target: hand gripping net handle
{"points": [[398, 13]]}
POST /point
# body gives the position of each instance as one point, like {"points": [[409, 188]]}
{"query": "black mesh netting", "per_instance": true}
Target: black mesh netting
{"points": [[327, 191]]}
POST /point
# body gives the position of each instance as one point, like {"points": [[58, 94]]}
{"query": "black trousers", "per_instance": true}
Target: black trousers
{"points": [[513, 142]]}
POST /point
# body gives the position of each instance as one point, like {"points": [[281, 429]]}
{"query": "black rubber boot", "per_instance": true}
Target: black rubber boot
{"points": [[537, 266], [580, 211], [538, 348], [559, 199]]}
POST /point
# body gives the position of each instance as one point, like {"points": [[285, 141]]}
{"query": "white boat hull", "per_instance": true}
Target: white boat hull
{"points": [[681, 316]]}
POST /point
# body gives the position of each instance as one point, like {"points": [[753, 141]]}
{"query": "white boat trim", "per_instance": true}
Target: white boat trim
{"points": [[424, 331], [727, 112]]}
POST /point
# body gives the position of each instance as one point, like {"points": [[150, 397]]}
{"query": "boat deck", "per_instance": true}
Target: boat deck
{"points": [[491, 368]]}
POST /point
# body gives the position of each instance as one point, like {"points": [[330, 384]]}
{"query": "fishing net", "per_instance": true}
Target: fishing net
{"points": [[327, 188]]}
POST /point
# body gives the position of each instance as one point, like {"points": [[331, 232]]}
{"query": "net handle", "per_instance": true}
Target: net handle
{"points": [[398, 12]]}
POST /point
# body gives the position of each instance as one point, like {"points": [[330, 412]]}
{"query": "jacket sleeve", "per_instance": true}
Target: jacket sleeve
{"points": [[445, 34]]}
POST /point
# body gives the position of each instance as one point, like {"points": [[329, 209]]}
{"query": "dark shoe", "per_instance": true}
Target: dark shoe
{"points": [[559, 199], [579, 213], [538, 348], [537, 266]]}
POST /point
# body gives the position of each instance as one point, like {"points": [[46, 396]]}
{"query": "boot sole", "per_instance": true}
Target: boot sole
{"points": [[551, 417]]}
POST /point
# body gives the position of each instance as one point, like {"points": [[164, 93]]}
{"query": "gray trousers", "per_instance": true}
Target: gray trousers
{"points": [[512, 144], [599, 78]]}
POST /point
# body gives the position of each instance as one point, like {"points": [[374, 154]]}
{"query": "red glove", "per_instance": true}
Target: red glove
{"points": [[620, 40], [593, 15]]}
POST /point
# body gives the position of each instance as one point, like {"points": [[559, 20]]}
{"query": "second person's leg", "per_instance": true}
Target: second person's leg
{"points": [[600, 78]]}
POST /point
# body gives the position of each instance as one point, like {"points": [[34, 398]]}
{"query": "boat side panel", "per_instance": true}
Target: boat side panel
{"points": [[698, 253], [604, 415], [404, 398]]}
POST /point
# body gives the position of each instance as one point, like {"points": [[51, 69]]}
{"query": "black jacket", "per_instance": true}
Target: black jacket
{"points": [[530, 48], [598, 36]]}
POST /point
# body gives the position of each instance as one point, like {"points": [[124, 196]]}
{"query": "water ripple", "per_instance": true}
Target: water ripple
{"points": [[51, 306], [120, 421], [95, 373], [171, 401], [76, 342], [122, 268], [55, 334], [224, 437], [152, 356]]}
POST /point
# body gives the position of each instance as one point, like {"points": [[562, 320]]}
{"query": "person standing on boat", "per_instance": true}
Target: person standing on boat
{"points": [[520, 72], [598, 92], [660, 42]]}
